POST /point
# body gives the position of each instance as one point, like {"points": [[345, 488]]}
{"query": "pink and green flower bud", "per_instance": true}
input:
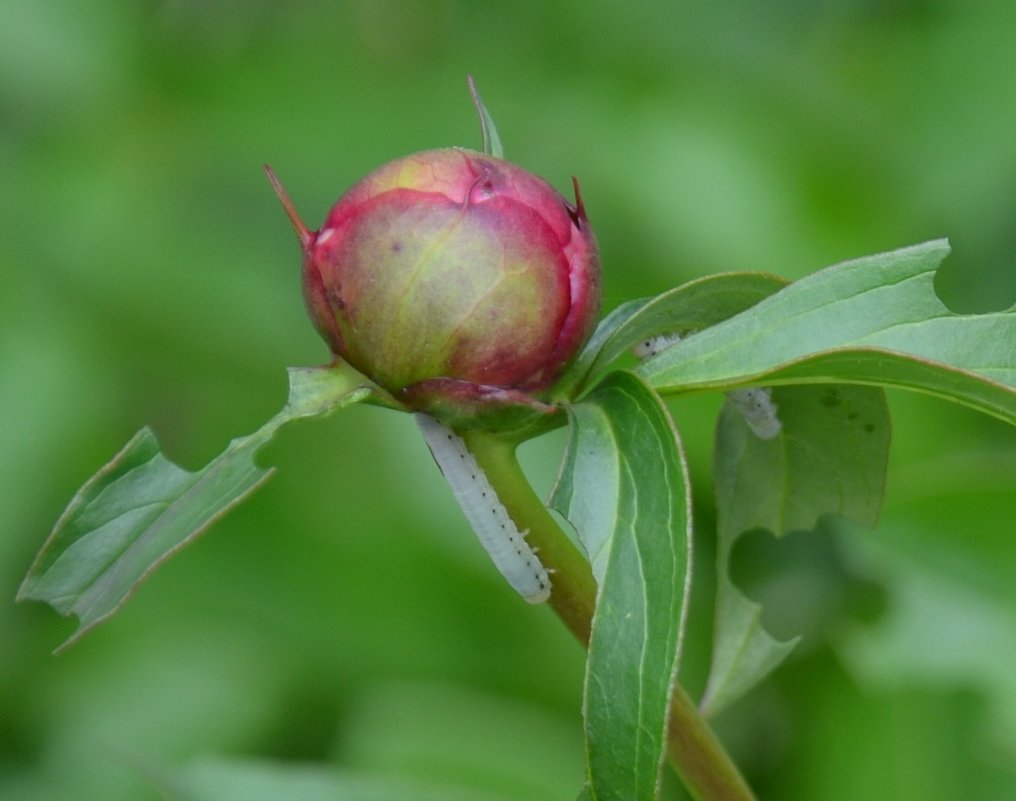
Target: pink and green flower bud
{"points": [[452, 268]]}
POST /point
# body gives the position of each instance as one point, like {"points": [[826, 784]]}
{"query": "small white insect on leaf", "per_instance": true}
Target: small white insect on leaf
{"points": [[759, 412], [497, 532], [653, 345], [755, 405]]}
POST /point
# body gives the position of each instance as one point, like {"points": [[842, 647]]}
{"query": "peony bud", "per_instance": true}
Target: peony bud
{"points": [[452, 268]]}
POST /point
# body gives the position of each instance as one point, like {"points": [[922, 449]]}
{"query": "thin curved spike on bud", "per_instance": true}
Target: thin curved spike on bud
{"points": [[491, 141], [302, 233], [580, 207]]}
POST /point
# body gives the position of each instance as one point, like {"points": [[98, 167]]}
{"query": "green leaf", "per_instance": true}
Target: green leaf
{"points": [[624, 487], [690, 307], [830, 457], [141, 508], [875, 320], [491, 141]]}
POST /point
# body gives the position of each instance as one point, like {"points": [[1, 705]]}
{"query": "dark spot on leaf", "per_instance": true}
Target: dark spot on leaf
{"points": [[852, 416], [396, 247], [869, 428], [830, 397]]}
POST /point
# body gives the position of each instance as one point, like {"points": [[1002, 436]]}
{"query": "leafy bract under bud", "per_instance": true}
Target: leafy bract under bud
{"points": [[452, 266]]}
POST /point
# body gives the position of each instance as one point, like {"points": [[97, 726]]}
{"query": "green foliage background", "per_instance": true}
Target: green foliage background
{"points": [[346, 615]]}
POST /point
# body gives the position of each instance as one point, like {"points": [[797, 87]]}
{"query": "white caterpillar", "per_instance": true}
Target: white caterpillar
{"points": [[755, 405], [758, 410], [653, 345], [498, 534]]}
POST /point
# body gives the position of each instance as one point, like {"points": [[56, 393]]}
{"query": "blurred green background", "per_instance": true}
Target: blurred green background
{"points": [[345, 615]]}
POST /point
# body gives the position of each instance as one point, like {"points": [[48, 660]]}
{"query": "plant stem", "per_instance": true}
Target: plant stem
{"points": [[706, 768], [573, 589], [704, 765]]}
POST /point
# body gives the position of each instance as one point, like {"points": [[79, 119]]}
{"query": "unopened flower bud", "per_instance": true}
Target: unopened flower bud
{"points": [[452, 266]]}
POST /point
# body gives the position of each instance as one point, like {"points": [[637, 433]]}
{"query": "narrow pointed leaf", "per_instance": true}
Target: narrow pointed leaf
{"points": [[690, 307], [491, 141], [624, 487], [830, 457], [141, 508], [875, 320]]}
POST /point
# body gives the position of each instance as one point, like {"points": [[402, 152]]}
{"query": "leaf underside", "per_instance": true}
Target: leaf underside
{"points": [[830, 458], [141, 508]]}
